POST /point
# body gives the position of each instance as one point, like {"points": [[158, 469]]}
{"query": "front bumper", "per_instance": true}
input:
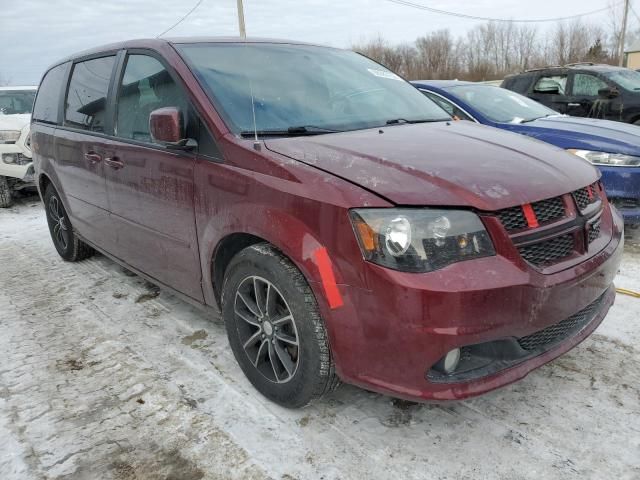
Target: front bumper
{"points": [[388, 337], [23, 172], [622, 185]]}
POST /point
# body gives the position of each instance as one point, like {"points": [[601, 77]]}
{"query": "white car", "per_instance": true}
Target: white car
{"points": [[16, 168]]}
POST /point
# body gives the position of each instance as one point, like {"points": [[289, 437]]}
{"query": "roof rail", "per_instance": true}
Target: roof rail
{"points": [[542, 68], [589, 64]]}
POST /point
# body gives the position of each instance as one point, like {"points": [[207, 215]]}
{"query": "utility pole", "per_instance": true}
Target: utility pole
{"points": [[623, 33], [243, 32]]}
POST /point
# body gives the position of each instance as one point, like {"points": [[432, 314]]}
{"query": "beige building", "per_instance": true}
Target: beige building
{"points": [[632, 56]]}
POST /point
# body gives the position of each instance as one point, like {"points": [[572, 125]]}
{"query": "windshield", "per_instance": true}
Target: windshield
{"points": [[501, 105], [13, 102], [628, 79], [293, 86]]}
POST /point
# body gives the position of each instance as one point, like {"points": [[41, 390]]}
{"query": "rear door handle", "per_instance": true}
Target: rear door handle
{"points": [[93, 157], [114, 162], [573, 104]]}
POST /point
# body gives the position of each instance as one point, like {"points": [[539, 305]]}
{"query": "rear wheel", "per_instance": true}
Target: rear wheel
{"points": [[68, 245], [275, 329], [6, 198]]}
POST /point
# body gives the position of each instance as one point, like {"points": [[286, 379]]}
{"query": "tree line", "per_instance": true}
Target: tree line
{"points": [[494, 49]]}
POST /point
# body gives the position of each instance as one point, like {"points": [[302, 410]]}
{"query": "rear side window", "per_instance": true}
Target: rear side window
{"points": [[87, 96], [552, 84], [48, 99], [146, 86]]}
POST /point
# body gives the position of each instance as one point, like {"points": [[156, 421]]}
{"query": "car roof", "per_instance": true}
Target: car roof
{"points": [[18, 87], [155, 43], [594, 67]]}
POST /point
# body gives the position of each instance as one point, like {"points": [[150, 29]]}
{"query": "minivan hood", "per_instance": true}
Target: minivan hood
{"points": [[584, 133], [444, 163]]}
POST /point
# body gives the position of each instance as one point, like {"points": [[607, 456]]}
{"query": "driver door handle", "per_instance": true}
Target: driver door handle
{"points": [[114, 162], [93, 157], [573, 104]]}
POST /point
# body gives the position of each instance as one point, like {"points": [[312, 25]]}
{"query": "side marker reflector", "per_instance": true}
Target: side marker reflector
{"points": [[334, 297]]}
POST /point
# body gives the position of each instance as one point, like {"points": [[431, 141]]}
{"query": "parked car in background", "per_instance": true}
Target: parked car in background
{"points": [[343, 224], [613, 147], [16, 169], [583, 90]]}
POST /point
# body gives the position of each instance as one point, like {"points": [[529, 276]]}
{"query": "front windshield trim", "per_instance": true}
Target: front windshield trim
{"points": [[215, 73]]}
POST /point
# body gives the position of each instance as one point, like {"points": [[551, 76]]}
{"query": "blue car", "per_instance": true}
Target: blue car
{"points": [[612, 146]]}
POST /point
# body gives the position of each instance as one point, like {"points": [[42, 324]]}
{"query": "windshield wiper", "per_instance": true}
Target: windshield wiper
{"points": [[400, 121], [297, 130], [527, 120]]}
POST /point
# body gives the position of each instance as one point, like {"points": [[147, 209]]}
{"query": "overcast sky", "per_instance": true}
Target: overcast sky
{"points": [[35, 33]]}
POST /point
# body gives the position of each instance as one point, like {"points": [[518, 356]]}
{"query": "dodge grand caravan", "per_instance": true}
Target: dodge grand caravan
{"points": [[342, 224]]}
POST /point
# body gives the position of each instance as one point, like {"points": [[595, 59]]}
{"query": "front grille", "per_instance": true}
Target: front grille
{"points": [[545, 338], [546, 211], [512, 218], [549, 210], [594, 231], [586, 196], [548, 252], [22, 159]]}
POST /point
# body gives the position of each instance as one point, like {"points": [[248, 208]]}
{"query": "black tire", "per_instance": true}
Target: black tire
{"points": [[636, 122], [68, 245], [6, 197], [280, 287]]}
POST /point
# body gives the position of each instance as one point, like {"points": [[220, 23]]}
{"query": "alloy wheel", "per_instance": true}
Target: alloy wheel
{"points": [[59, 222], [267, 329]]}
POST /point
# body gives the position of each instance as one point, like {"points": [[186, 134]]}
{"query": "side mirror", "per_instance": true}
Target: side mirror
{"points": [[608, 92], [166, 128]]}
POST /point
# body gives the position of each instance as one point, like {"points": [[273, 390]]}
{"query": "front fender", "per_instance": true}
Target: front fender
{"points": [[297, 240]]}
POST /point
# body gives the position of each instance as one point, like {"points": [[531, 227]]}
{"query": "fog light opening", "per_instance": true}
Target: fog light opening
{"points": [[449, 362]]}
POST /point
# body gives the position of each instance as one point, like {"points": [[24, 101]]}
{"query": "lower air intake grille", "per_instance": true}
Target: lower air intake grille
{"points": [[549, 251], [626, 203], [558, 332]]}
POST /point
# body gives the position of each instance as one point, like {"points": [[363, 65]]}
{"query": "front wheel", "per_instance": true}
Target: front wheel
{"points": [[6, 197], [67, 243], [275, 329]]}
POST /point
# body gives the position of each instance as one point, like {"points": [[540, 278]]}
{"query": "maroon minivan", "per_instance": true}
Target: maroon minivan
{"points": [[345, 227]]}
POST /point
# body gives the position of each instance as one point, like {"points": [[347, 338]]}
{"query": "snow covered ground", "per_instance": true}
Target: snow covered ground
{"points": [[104, 377]]}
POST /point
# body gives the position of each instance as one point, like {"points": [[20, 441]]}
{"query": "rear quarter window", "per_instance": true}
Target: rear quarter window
{"points": [[46, 107], [518, 84], [87, 97]]}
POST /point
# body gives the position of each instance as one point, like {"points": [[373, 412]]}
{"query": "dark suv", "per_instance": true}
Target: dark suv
{"points": [[583, 90], [342, 223]]}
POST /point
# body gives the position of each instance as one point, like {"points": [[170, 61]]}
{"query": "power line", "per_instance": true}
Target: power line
{"points": [[408, 3], [182, 19]]}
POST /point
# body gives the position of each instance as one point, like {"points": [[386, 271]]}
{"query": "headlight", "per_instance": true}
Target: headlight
{"points": [[9, 157], [419, 240], [607, 159], [7, 136]]}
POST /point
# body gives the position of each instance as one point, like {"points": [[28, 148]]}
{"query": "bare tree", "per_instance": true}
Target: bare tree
{"points": [[492, 50]]}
